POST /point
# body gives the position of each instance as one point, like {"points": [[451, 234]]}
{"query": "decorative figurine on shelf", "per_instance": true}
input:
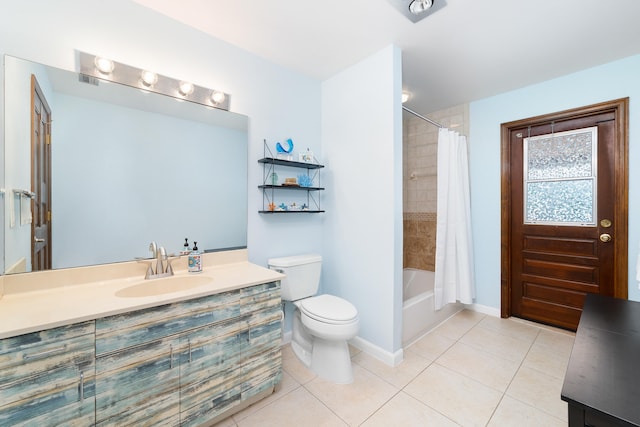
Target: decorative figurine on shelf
{"points": [[272, 207], [282, 207], [306, 156], [293, 207], [274, 178], [304, 180], [304, 207], [285, 153]]}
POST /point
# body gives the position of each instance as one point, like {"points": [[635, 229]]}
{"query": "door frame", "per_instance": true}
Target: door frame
{"points": [[36, 92], [620, 108]]}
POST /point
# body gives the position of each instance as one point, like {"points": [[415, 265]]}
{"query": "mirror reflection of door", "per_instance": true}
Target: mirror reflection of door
{"points": [[40, 179], [567, 213]]}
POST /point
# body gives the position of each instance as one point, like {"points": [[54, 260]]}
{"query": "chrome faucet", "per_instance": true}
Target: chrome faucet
{"points": [[161, 257], [163, 262]]}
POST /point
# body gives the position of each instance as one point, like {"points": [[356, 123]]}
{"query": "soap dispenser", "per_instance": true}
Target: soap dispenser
{"points": [[195, 259], [185, 248]]}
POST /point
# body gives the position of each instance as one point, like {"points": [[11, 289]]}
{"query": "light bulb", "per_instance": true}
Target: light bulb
{"points": [[149, 78], [185, 88], [405, 97], [418, 6], [217, 97], [104, 65]]}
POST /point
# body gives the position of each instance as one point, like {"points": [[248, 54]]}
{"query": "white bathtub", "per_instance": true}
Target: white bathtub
{"points": [[418, 313]]}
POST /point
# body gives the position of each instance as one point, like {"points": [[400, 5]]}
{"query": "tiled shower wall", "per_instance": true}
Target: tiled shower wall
{"points": [[419, 161]]}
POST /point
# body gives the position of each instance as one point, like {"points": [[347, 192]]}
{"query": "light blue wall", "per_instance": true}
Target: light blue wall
{"points": [[280, 103], [362, 143], [610, 81]]}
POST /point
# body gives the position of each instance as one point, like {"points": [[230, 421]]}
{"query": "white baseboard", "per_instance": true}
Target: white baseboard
{"points": [[394, 359], [391, 359], [491, 311]]}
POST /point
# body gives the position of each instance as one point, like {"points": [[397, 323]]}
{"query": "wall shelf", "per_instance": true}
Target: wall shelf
{"points": [[274, 194]]}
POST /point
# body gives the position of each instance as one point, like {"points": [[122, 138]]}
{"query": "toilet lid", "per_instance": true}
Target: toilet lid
{"points": [[328, 308]]}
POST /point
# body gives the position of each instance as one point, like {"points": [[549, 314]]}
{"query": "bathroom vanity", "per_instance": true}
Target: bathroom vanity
{"points": [[186, 357]]}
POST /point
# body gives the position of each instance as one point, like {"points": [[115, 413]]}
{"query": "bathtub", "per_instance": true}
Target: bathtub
{"points": [[418, 313]]}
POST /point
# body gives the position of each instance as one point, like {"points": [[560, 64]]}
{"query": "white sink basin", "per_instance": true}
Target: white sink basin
{"points": [[162, 286]]}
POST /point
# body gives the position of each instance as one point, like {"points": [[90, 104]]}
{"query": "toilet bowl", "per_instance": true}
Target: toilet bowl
{"points": [[322, 324]]}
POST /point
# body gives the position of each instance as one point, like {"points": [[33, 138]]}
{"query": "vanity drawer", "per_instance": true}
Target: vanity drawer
{"points": [[260, 297], [138, 327]]}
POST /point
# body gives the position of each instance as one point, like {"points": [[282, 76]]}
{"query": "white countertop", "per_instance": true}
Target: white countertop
{"points": [[41, 308]]}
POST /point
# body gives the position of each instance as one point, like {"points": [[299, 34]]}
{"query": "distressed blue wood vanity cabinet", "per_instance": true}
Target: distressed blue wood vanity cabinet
{"points": [[48, 377], [188, 363]]}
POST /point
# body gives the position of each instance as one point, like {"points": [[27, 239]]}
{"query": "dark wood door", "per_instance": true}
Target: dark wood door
{"points": [[559, 252], [40, 179]]}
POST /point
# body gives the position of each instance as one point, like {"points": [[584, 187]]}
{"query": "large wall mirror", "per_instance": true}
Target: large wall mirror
{"points": [[126, 167]]}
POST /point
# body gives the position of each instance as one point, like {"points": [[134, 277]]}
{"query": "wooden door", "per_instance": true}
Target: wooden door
{"points": [[40, 179], [564, 212]]}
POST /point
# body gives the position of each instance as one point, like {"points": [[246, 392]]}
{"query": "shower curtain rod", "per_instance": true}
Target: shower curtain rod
{"points": [[426, 119]]}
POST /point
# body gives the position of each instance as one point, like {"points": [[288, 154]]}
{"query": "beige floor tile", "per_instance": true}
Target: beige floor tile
{"points": [[544, 359], [294, 367], [510, 328], [431, 346], [285, 386], [354, 402], [559, 343], [483, 367], [400, 375], [459, 324], [300, 409], [403, 410], [495, 343], [227, 423], [513, 413], [540, 390], [353, 350], [454, 395]]}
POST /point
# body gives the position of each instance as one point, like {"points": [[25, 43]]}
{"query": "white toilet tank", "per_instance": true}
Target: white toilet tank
{"points": [[303, 275]]}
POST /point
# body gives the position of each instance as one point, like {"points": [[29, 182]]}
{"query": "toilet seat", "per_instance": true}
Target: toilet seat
{"points": [[329, 309]]}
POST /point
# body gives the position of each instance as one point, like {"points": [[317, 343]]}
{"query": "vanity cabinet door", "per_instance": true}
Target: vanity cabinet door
{"points": [[261, 341], [140, 353], [210, 384], [47, 378], [139, 385]]}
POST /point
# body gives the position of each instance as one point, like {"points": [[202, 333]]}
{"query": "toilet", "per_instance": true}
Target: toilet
{"points": [[322, 324]]}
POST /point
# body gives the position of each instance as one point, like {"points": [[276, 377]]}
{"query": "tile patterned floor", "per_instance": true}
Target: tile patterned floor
{"points": [[473, 370]]}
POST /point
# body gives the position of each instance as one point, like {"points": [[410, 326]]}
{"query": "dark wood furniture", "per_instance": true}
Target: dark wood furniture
{"points": [[602, 382]]}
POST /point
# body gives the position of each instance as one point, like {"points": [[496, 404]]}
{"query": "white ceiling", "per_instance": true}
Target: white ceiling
{"points": [[468, 50]]}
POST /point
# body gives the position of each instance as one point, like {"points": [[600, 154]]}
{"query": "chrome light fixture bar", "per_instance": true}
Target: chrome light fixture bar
{"points": [[415, 10], [109, 70]]}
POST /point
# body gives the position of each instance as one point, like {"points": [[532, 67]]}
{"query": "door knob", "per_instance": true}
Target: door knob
{"points": [[605, 237], [37, 240]]}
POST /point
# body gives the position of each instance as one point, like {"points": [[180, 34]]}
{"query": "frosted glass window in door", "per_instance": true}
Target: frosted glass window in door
{"points": [[560, 183]]}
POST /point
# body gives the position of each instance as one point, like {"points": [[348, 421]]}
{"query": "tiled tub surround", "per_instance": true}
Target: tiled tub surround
{"points": [[201, 354], [419, 231], [420, 156]]}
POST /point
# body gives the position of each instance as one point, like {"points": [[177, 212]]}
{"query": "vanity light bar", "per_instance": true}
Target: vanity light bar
{"points": [[106, 69]]}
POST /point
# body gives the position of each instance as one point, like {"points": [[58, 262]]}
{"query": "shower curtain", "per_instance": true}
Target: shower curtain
{"points": [[454, 278]]}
